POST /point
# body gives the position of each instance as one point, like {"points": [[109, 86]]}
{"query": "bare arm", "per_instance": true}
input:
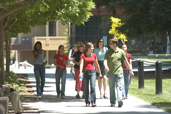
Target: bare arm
{"points": [[57, 65], [130, 63], [81, 65], [97, 67], [66, 62], [129, 67], [44, 54], [37, 55], [106, 65]]}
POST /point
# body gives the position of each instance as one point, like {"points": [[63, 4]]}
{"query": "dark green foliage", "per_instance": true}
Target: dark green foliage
{"points": [[12, 78], [143, 16]]}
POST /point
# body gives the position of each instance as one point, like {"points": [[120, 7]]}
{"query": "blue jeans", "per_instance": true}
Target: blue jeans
{"points": [[118, 80], [60, 75], [126, 83], [90, 76], [39, 72]]}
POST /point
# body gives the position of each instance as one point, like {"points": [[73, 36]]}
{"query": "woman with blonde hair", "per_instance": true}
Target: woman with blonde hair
{"points": [[79, 86], [87, 63]]}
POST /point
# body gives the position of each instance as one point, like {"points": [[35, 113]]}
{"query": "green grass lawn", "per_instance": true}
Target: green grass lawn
{"points": [[148, 94]]}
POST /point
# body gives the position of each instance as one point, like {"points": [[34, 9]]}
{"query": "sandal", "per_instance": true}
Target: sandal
{"points": [[105, 96]]}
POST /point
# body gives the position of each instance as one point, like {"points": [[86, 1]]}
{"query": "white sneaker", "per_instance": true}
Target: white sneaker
{"points": [[39, 97]]}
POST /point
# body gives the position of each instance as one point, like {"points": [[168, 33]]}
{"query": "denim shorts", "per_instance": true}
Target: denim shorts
{"points": [[102, 69]]}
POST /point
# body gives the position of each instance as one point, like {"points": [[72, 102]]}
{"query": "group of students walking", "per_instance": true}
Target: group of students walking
{"points": [[89, 63]]}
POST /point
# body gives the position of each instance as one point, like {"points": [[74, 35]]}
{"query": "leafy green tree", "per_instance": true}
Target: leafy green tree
{"points": [[142, 16], [18, 16]]}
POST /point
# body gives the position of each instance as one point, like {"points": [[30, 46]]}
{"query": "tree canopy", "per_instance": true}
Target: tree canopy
{"points": [[143, 16], [18, 16]]}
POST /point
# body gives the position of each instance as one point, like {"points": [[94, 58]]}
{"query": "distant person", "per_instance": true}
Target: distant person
{"points": [[70, 56], [126, 72], [14, 98], [60, 61], [79, 86], [87, 63], [100, 52], [39, 67], [113, 66]]}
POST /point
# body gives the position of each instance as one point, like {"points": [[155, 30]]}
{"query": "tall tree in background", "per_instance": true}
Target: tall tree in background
{"points": [[142, 16], [20, 15]]}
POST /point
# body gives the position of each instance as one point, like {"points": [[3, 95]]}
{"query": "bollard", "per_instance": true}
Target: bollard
{"points": [[140, 74], [158, 75]]}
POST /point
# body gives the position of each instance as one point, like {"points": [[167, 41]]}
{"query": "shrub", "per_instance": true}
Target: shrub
{"points": [[11, 78]]}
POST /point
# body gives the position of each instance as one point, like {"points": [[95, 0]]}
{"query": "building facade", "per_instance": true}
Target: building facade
{"points": [[99, 24], [50, 35]]}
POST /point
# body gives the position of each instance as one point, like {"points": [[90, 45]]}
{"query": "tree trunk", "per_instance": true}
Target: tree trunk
{"points": [[1, 53], [7, 55]]}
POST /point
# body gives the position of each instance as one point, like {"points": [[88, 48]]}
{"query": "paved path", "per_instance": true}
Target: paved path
{"points": [[50, 104]]}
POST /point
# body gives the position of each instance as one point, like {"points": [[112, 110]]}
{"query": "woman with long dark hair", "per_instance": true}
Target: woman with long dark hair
{"points": [[100, 52], [39, 67], [87, 63], [60, 61]]}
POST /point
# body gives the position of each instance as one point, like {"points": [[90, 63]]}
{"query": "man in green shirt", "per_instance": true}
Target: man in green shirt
{"points": [[113, 65]]}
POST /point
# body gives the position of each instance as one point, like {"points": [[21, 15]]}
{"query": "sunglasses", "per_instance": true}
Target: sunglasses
{"points": [[100, 41], [111, 44], [80, 46]]}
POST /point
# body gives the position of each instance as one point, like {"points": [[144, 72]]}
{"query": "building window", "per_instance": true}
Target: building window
{"points": [[52, 28], [26, 40]]}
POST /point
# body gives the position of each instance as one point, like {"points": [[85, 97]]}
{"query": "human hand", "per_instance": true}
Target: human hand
{"points": [[131, 74], [61, 66], [107, 69]]}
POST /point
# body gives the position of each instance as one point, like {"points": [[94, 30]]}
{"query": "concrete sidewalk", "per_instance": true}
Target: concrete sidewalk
{"points": [[50, 104]]}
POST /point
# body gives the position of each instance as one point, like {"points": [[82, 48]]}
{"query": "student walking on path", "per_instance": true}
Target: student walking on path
{"points": [[79, 86], [126, 72], [87, 62], [113, 66], [39, 67], [70, 56], [100, 52], [60, 61]]}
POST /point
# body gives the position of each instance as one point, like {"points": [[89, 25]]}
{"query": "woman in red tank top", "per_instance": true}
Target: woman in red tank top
{"points": [[87, 63]]}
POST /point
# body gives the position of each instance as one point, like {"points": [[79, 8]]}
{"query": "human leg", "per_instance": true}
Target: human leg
{"points": [[78, 82], [119, 85], [123, 87], [37, 77], [86, 79], [112, 88], [105, 86], [63, 76], [42, 77], [57, 77], [14, 98], [100, 86], [127, 81], [93, 87]]}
